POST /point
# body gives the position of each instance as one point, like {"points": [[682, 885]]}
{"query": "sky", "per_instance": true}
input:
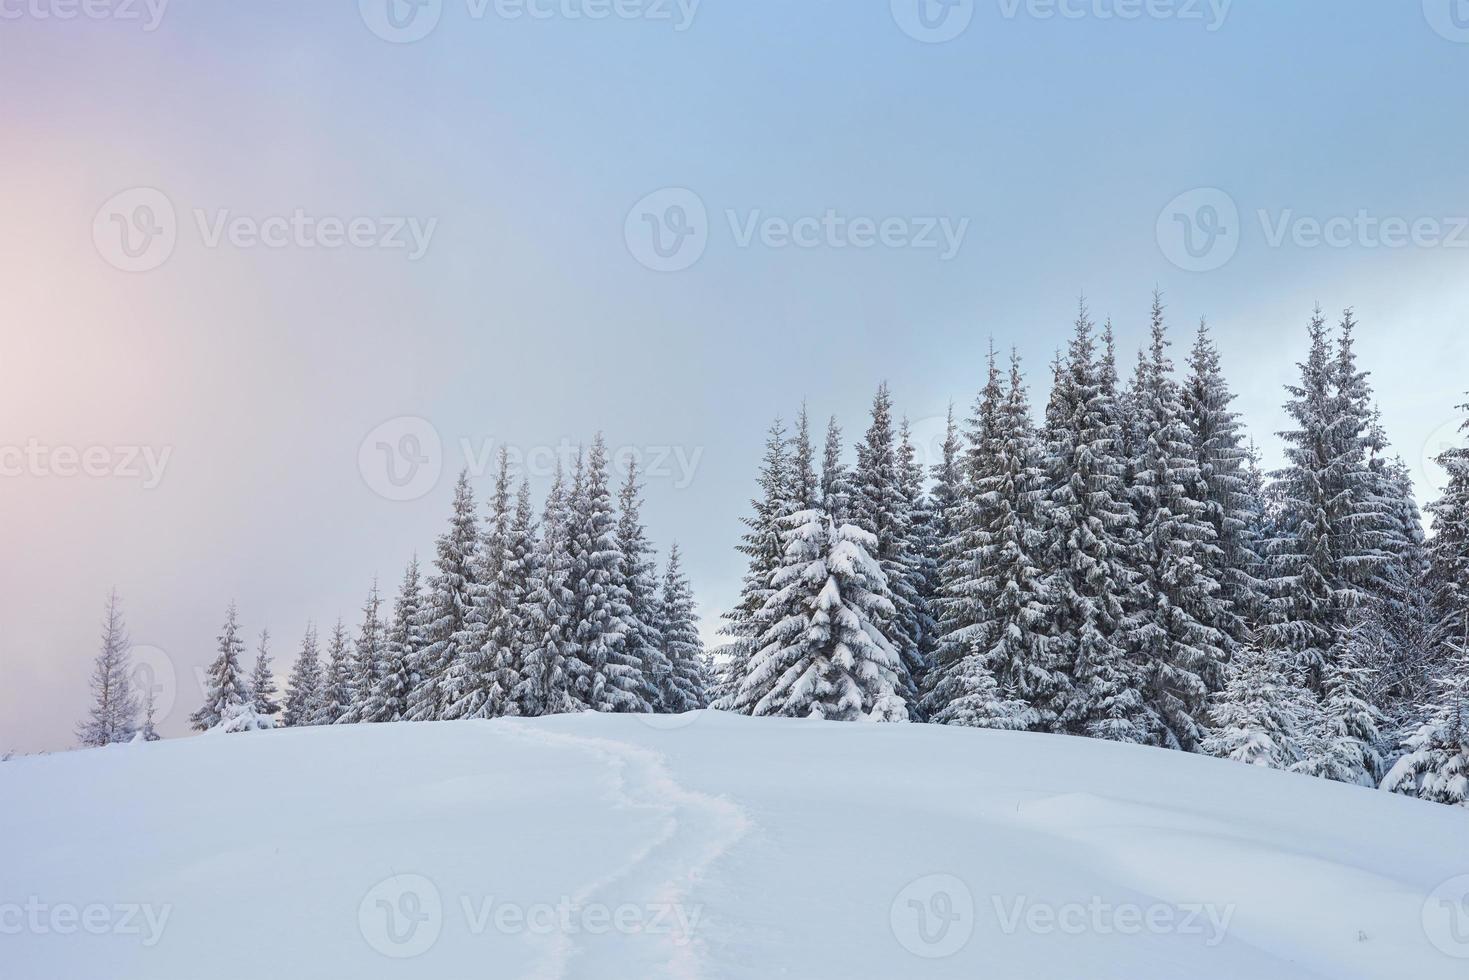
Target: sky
{"points": [[273, 273]]}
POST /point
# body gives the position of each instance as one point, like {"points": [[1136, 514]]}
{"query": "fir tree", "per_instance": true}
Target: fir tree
{"points": [[304, 686], [836, 488], [225, 692], [761, 545], [368, 661], [546, 675], [687, 685], [1178, 608], [822, 654], [113, 715], [643, 642], [401, 644], [263, 688], [608, 677], [486, 674], [1259, 714], [450, 599], [805, 490], [1090, 552], [1340, 734], [338, 685], [149, 732], [1435, 763]]}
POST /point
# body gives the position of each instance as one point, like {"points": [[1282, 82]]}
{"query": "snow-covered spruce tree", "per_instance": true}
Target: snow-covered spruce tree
{"points": [[805, 490], [1405, 676], [448, 604], [517, 575], [924, 548], [1090, 553], [1435, 763], [337, 687], [1231, 499], [643, 642], [948, 488], [1177, 606], [1324, 557], [225, 689], [367, 662], [687, 687], [836, 484], [998, 670], [484, 677], [304, 686], [546, 673], [149, 733], [401, 643], [761, 545], [821, 653], [880, 508], [608, 676], [1259, 715], [113, 716], [263, 689], [1340, 737]]}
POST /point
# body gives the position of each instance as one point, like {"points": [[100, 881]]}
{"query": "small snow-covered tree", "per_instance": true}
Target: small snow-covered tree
{"points": [[149, 733], [1259, 714], [822, 654], [1341, 733], [1435, 763], [450, 599], [686, 688], [304, 686], [263, 688], [401, 642], [113, 715], [368, 661], [643, 642], [338, 687], [225, 689]]}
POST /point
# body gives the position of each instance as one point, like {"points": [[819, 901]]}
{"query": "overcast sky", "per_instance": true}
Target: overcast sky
{"points": [[274, 271]]}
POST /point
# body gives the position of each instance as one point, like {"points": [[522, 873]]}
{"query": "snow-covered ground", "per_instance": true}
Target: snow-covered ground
{"points": [[708, 845]]}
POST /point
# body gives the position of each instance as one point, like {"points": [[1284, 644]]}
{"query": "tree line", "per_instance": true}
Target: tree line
{"points": [[1122, 569]]}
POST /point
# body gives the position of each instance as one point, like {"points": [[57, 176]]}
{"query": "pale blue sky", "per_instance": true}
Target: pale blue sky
{"points": [[529, 318]]}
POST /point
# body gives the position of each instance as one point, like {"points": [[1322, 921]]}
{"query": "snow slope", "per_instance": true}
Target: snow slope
{"points": [[709, 845]]}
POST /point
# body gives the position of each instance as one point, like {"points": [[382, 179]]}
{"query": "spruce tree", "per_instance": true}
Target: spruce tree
{"points": [[1435, 762], [304, 686], [822, 653], [485, 675], [402, 641], [687, 686], [113, 715], [836, 487], [263, 689], [148, 732], [880, 508], [761, 545], [996, 671], [924, 548], [546, 674], [1178, 609], [368, 660], [450, 598], [608, 676], [1259, 715], [1090, 551], [642, 641], [225, 690], [338, 685], [805, 489]]}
